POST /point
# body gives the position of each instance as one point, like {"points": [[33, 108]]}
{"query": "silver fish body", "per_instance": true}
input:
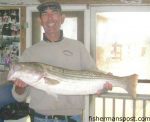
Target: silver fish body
{"points": [[56, 80]]}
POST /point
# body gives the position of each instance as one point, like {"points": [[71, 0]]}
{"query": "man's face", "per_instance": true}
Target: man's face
{"points": [[51, 21]]}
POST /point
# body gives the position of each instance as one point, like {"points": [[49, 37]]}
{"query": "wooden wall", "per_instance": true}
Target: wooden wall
{"points": [[94, 1]]}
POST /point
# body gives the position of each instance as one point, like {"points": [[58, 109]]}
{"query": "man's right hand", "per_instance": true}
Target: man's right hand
{"points": [[20, 83], [20, 86]]}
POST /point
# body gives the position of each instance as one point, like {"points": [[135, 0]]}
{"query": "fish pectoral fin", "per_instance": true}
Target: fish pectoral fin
{"points": [[51, 81]]}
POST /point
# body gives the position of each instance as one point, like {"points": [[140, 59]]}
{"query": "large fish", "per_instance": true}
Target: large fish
{"points": [[56, 80]]}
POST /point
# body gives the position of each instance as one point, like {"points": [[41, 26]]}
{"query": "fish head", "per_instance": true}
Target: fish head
{"points": [[25, 72], [12, 74]]}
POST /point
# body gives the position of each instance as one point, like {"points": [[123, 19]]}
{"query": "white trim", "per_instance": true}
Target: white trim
{"points": [[87, 29], [86, 110], [120, 8], [29, 11], [72, 7]]}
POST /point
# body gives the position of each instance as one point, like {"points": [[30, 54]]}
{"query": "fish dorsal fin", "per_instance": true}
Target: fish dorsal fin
{"points": [[50, 81]]}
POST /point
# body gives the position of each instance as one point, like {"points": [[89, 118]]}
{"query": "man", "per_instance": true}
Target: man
{"points": [[58, 51]]}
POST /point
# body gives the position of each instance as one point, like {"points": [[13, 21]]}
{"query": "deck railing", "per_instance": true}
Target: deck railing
{"points": [[119, 107]]}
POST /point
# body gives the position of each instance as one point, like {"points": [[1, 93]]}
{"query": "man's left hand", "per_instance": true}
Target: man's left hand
{"points": [[107, 86]]}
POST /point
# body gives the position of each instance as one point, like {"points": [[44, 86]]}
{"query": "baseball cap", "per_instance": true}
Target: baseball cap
{"points": [[55, 6]]}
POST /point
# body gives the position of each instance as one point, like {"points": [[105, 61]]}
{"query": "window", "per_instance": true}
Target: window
{"points": [[123, 43], [123, 48]]}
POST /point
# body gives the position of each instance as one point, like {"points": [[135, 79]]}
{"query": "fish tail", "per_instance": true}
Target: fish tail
{"points": [[131, 85]]}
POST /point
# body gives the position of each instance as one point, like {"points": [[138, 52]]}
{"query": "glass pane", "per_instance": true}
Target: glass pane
{"points": [[123, 43], [70, 27]]}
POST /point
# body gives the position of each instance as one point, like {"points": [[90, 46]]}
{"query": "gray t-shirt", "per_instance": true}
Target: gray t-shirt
{"points": [[66, 53]]}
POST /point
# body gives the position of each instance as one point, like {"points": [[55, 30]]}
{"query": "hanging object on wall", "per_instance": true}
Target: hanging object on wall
{"points": [[10, 36], [131, 1]]}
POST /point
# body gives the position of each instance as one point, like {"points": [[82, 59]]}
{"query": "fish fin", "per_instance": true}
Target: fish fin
{"points": [[51, 81], [131, 85]]}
